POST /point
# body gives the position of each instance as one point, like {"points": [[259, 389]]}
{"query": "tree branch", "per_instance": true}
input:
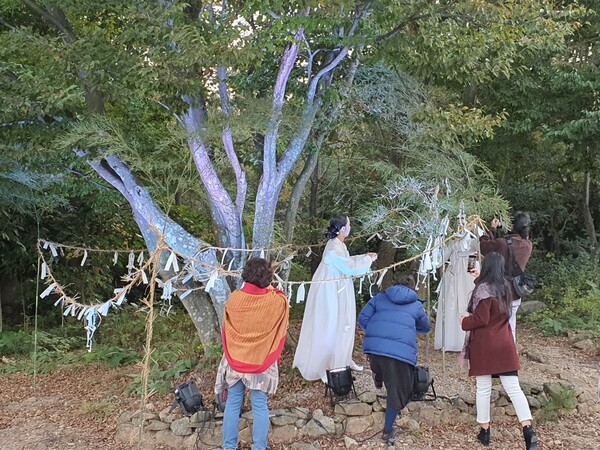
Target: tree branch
{"points": [[223, 211], [240, 175], [56, 18], [287, 64]]}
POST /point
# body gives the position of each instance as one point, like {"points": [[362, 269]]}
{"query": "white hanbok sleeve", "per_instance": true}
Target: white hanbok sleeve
{"points": [[348, 265]]}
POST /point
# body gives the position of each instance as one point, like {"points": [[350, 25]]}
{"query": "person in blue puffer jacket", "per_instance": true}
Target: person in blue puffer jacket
{"points": [[391, 321]]}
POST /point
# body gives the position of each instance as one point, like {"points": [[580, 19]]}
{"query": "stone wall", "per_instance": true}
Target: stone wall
{"points": [[350, 418]]}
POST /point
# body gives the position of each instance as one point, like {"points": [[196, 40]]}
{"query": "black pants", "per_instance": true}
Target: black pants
{"points": [[397, 376]]}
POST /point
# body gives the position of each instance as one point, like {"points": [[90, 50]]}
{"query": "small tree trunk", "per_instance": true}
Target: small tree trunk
{"points": [[203, 314], [386, 256], [588, 219]]}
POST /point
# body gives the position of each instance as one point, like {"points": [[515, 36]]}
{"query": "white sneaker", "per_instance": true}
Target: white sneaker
{"points": [[324, 378], [356, 367]]}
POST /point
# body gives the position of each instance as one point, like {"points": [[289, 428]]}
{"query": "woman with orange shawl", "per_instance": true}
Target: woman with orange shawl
{"points": [[255, 324]]}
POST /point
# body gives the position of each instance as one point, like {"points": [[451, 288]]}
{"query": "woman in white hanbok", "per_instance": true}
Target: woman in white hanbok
{"points": [[327, 334], [454, 293]]}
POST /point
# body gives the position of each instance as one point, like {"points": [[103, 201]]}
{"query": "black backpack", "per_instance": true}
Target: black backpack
{"points": [[189, 399], [522, 283], [422, 381]]}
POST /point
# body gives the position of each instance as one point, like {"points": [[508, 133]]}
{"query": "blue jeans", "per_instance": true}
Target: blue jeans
{"points": [[231, 418]]}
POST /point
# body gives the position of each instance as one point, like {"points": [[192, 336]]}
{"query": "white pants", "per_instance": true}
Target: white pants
{"points": [[513, 318], [512, 388]]}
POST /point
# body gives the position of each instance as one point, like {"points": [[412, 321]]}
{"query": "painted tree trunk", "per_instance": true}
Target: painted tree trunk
{"points": [[206, 310]]}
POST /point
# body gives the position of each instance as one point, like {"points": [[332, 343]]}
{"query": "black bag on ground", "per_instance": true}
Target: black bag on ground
{"points": [[422, 381], [221, 400], [189, 399], [523, 284]]}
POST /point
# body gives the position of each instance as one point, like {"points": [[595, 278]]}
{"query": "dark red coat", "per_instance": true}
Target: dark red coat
{"points": [[522, 248], [491, 345]]}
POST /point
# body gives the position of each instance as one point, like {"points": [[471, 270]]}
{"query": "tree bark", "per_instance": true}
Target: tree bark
{"points": [[588, 218], [152, 222], [386, 257]]}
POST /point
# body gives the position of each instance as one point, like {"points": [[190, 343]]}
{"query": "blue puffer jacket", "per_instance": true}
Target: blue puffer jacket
{"points": [[391, 321]]}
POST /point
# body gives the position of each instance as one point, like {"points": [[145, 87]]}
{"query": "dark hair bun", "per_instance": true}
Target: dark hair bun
{"points": [[332, 232]]}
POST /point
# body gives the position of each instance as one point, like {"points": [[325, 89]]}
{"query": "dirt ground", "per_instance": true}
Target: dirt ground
{"points": [[76, 407]]}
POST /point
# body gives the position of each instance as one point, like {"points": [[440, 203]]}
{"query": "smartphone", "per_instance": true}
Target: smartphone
{"points": [[472, 263]]}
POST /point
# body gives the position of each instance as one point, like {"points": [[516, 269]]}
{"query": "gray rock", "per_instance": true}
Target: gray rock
{"points": [[369, 397], [378, 419], [427, 413], [300, 423], [579, 335], [495, 395], [243, 423], [377, 406], [583, 408], [498, 411], [317, 414], [510, 410], [408, 424], [165, 416], [165, 438], [358, 424], [531, 306], [554, 389], [468, 397], [313, 429], [212, 437], [502, 401], [536, 356], [303, 446], [534, 403], [156, 425], [285, 433], [349, 442], [356, 408], [460, 404], [339, 418], [283, 419], [245, 435], [586, 345], [328, 423], [146, 415], [302, 413], [128, 435], [124, 417], [201, 417], [181, 427]]}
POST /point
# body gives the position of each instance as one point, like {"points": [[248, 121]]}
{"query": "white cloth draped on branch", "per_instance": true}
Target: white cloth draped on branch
{"points": [[327, 333], [454, 292]]}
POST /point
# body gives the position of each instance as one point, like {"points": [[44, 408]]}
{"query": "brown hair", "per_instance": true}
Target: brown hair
{"points": [[406, 280], [258, 271]]}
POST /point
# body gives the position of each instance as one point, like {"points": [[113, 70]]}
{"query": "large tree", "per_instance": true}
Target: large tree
{"points": [[239, 85]]}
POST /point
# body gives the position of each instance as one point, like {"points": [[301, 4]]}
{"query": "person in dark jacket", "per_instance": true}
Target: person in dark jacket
{"points": [[522, 248], [391, 321], [490, 349]]}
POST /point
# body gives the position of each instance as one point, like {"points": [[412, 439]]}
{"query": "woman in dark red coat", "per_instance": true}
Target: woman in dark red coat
{"points": [[490, 348]]}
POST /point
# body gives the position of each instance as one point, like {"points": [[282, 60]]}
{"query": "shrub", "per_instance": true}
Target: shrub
{"points": [[570, 289]]}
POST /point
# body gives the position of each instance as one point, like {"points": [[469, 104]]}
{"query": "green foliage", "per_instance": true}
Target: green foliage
{"points": [[19, 343], [558, 402], [112, 356], [161, 380], [569, 287]]}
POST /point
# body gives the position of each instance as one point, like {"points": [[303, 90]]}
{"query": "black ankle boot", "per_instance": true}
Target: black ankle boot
{"points": [[530, 438], [484, 436]]}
